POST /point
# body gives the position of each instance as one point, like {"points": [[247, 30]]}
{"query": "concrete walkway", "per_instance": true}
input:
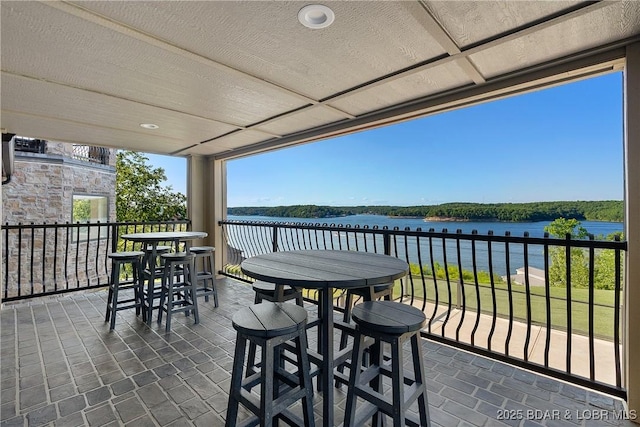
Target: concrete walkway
{"points": [[603, 349]]}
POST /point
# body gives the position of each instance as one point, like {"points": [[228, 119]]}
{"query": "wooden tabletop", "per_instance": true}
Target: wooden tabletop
{"points": [[164, 236], [320, 269]]}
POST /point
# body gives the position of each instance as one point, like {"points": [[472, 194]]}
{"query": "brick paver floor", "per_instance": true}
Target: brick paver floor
{"points": [[60, 365]]}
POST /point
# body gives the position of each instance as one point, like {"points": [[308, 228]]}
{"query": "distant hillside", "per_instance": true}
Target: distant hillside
{"points": [[609, 210]]}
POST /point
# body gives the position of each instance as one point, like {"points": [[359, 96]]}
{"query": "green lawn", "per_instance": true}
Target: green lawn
{"points": [[603, 309]]}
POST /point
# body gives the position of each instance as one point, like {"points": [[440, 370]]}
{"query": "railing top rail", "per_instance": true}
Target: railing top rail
{"points": [[68, 224], [444, 234]]}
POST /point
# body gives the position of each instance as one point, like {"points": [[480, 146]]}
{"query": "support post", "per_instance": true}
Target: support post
{"points": [[632, 224]]}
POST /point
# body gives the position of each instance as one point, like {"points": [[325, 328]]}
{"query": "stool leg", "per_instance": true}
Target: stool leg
{"points": [[114, 301], [107, 314], [251, 358], [236, 381], [266, 385], [320, 296], [304, 378], [141, 284], [354, 380], [201, 266], [214, 289], [299, 298], [397, 383], [344, 336], [163, 293], [193, 279], [150, 290], [136, 286], [170, 296], [418, 368], [376, 358]]}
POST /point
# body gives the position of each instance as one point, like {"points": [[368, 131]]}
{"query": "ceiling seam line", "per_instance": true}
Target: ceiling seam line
{"points": [[611, 51], [57, 83], [256, 126], [436, 30], [251, 126], [464, 53], [325, 102], [42, 116], [232, 132], [537, 25], [83, 13]]}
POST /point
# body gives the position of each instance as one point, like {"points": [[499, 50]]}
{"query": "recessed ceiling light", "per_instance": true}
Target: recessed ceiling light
{"points": [[316, 16], [149, 126]]}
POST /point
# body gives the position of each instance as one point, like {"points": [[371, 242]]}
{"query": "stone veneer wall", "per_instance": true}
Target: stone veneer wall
{"points": [[42, 188], [41, 191]]}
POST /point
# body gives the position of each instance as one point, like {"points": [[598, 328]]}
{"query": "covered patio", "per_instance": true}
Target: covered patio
{"points": [[216, 81], [61, 366]]}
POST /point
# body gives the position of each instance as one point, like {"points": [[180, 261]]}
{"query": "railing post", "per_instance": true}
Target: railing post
{"points": [[114, 238], [387, 243], [274, 239], [459, 293]]}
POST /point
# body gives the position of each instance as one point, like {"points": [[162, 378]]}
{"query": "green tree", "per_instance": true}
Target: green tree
{"points": [[562, 228], [604, 260], [81, 210], [139, 193], [605, 265]]}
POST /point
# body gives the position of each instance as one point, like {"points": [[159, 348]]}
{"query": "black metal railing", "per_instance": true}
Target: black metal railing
{"points": [[88, 153], [45, 259], [30, 145], [466, 286]]}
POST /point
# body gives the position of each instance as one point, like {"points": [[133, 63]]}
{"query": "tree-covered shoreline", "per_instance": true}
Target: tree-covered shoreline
{"points": [[606, 210]]}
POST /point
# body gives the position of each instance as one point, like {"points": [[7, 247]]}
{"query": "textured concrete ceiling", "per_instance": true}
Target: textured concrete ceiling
{"points": [[231, 78]]}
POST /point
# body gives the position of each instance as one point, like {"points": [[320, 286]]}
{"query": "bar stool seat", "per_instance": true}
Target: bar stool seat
{"points": [[114, 301], [269, 325], [178, 295], [205, 272], [270, 292], [393, 323]]}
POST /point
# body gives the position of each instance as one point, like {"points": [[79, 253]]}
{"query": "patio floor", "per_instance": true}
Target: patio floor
{"points": [[61, 366]]}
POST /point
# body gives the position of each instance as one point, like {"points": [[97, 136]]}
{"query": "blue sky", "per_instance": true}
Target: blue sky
{"points": [[563, 143]]}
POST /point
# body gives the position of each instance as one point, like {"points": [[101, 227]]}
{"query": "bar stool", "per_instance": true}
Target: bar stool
{"points": [[269, 325], [276, 293], [205, 272], [158, 270], [179, 295], [114, 303], [367, 293], [393, 323], [159, 251], [271, 292]]}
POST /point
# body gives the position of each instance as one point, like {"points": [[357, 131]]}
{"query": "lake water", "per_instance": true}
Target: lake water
{"points": [[498, 251], [535, 229]]}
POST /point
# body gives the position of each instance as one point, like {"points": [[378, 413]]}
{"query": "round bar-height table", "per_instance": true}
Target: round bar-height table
{"points": [[325, 270], [153, 239]]}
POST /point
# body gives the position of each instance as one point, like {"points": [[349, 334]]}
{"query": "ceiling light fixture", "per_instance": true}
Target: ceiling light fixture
{"points": [[149, 126], [316, 16]]}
